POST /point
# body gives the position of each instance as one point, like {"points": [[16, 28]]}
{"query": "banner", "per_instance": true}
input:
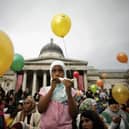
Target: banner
{"points": [[19, 81], [81, 83]]}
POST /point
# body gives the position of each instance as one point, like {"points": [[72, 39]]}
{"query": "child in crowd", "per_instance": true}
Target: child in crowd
{"points": [[57, 103]]}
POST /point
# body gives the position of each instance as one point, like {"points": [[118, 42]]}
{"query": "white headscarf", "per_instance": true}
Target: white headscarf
{"points": [[60, 63]]}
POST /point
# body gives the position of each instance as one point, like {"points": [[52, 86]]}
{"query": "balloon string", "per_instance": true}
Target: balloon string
{"points": [[70, 72], [65, 48]]}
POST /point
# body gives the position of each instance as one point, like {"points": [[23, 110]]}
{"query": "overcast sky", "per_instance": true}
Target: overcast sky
{"points": [[99, 31]]}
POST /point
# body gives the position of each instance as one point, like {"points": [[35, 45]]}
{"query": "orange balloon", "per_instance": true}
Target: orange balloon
{"points": [[100, 83], [122, 57], [120, 93]]}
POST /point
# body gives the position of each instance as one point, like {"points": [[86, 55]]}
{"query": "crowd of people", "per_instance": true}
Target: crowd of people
{"points": [[59, 106]]}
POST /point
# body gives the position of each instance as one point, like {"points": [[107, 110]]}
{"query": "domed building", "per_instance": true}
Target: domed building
{"points": [[35, 73], [51, 50]]}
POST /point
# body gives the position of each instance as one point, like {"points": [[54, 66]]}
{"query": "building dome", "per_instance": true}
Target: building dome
{"points": [[51, 50]]}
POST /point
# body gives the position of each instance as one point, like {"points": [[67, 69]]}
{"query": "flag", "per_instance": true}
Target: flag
{"points": [[81, 83], [19, 81]]}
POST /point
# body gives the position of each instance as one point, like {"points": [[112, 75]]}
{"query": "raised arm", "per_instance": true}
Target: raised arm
{"points": [[45, 100], [73, 110]]}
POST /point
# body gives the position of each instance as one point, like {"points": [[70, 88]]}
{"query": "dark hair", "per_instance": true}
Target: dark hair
{"points": [[98, 123], [112, 101]]}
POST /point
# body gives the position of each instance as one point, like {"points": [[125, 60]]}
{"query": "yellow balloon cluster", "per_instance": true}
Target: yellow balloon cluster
{"points": [[61, 24], [120, 93], [6, 53]]}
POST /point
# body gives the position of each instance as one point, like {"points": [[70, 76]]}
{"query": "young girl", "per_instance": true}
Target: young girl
{"points": [[56, 103]]}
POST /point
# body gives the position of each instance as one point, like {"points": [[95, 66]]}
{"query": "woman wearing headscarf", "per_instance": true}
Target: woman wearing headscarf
{"points": [[114, 116], [29, 117], [57, 103], [87, 104], [2, 115]]}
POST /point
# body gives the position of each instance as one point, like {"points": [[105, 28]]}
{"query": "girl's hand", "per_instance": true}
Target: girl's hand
{"points": [[54, 82], [68, 85]]}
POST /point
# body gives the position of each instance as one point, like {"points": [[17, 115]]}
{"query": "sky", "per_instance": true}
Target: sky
{"points": [[99, 29]]}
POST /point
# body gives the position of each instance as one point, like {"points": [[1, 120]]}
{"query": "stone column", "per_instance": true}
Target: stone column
{"points": [[85, 81], [24, 81], [75, 83], [44, 78], [34, 83]]}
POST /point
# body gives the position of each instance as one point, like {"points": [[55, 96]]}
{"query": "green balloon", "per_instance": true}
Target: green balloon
{"points": [[93, 88], [18, 63]]}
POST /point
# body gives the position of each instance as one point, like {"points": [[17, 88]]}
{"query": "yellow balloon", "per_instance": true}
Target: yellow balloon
{"points": [[6, 53], [120, 93], [61, 25]]}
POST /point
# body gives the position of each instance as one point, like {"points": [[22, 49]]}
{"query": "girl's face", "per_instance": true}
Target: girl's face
{"points": [[86, 123], [57, 71]]}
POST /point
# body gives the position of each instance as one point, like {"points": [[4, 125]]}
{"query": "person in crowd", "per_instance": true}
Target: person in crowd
{"points": [[28, 116], [10, 102], [9, 117], [18, 95], [56, 102], [2, 118], [90, 119], [103, 95], [88, 104], [20, 105], [25, 93], [114, 116], [89, 94], [125, 106], [36, 96]]}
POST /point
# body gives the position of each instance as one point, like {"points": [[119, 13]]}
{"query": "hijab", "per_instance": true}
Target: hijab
{"points": [[59, 63]]}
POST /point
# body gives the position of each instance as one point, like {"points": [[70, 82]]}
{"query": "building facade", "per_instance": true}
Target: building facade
{"points": [[35, 73]]}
